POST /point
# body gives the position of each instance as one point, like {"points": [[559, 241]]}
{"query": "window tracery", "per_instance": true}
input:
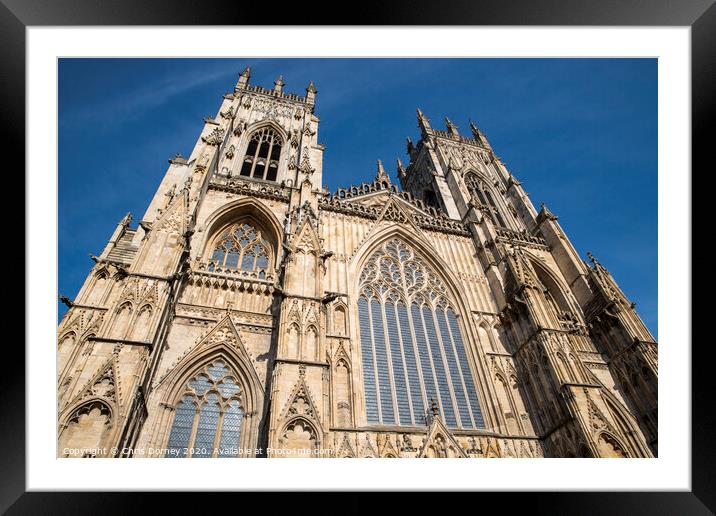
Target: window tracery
{"points": [[209, 415], [262, 155], [412, 349], [240, 247], [483, 194]]}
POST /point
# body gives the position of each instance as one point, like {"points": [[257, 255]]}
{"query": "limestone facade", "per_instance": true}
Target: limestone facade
{"points": [[252, 313]]}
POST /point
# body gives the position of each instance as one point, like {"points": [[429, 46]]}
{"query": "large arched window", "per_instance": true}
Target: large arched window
{"points": [[208, 416], [413, 354], [262, 155], [240, 247], [478, 189]]}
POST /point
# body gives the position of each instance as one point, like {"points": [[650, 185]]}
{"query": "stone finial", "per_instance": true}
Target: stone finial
{"points": [[423, 121], [278, 84], [434, 408], [452, 128], [244, 79], [401, 169], [126, 219], [311, 93], [479, 136], [381, 174]]}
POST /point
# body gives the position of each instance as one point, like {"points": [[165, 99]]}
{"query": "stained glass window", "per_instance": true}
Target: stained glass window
{"points": [[212, 401], [412, 349], [240, 247]]}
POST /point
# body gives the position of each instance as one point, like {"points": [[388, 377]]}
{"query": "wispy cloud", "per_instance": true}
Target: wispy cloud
{"points": [[134, 103]]}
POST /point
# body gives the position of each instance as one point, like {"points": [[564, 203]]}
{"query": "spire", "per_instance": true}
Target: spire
{"points": [[452, 128], [381, 174], [311, 93], [278, 84], [243, 79], [423, 121], [475, 131], [479, 136], [126, 219], [401, 169]]}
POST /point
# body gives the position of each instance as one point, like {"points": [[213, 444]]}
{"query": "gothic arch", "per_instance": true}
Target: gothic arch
{"points": [[66, 344], [609, 446], [262, 136], [299, 434], [86, 429], [419, 243], [98, 290], [552, 282], [342, 389], [121, 321], [479, 184], [339, 319], [244, 208], [429, 317], [271, 124], [139, 328], [310, 343], [626, 424], [192, 365], [172, 385]]}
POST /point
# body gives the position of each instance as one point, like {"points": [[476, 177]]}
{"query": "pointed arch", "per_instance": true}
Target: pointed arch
{"points": [[265, 145], [411, 343], [248, 209], [86, 429], [421, 245], [553, 283], [309, 344], [608, 446], [242, 409], [483, 192], [339, 321], [66, 344], [268, 123], [100, 281], [121, 320], [626, 424], [342, 391], [140, 326]]}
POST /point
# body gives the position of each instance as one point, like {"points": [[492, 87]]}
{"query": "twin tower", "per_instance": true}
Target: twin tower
{"points": [[251, 313]]}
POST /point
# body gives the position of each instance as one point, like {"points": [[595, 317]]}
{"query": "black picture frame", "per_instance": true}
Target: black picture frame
{"points": [[700, 15]]}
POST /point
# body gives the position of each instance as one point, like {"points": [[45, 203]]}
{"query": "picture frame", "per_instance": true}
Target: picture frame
{"points": [[17, 15]]}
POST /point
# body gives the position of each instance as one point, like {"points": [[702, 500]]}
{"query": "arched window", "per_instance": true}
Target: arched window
{"points": [[262, 155], [479, 190], [207, 421], [240, 247], [412, 349]]}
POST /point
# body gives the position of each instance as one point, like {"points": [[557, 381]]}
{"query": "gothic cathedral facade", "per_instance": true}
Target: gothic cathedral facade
{"points": [[252, 313]]}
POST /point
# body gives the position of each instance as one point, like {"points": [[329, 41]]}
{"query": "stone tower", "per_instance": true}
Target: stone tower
{"points": [[251, 313]]}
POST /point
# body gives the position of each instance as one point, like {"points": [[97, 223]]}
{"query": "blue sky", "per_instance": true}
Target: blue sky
{"points": [[580, 134]]}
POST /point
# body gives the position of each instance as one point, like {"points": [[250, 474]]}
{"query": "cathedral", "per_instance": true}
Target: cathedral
{"points": [[251, 312]]}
